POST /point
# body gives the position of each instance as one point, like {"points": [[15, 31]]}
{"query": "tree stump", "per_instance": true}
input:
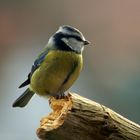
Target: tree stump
{"points": [[78, 118]]}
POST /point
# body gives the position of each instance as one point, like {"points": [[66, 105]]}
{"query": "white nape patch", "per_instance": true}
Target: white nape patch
{"points": [[50, 43], [74, 44]]}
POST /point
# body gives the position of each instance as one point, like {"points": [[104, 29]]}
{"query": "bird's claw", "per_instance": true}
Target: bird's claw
{"points": [[61, 96]]}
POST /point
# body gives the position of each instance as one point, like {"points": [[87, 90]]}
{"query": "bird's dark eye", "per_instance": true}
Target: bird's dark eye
{"points": [[62, 35], [78, 38]]}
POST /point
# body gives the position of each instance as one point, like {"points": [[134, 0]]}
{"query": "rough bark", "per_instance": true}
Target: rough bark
{"points": [[78, 118]]}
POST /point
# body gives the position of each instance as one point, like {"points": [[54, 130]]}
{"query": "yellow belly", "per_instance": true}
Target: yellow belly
{"points": [[57, 73]]}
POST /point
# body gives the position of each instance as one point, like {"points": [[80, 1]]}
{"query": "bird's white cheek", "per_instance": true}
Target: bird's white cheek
{"points": [[74, 44]]}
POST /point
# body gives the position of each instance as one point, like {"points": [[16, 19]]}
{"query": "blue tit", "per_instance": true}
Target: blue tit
{"points": [[57, 67]]}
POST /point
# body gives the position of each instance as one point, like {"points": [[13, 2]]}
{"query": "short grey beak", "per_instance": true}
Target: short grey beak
{"points": [[86, 42]]}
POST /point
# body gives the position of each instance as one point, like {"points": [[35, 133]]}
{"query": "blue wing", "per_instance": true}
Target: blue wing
{"points": [[36, 64], [38, 61]]}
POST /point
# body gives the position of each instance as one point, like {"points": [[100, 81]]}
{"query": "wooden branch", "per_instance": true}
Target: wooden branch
{"points": [[78, 118]]}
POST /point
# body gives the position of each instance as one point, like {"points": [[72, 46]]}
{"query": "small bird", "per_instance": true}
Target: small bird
{"points": [[57, 67]]}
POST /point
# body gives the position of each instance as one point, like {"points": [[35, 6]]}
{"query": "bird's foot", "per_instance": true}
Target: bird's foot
{"points": [[61, 96]]}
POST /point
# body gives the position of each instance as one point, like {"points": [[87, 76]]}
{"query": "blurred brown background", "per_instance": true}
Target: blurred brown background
{"points": [[111, 73]]}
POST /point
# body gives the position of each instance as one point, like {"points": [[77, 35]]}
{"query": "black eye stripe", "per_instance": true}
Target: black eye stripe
{"points": [[76, 37], [61, 35]]}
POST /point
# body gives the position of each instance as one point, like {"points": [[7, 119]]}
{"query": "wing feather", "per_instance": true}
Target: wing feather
{"points": [[35, 66]]}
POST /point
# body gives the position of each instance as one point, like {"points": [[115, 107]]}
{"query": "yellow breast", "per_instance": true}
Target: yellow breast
{"points": [[57, 73]]}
